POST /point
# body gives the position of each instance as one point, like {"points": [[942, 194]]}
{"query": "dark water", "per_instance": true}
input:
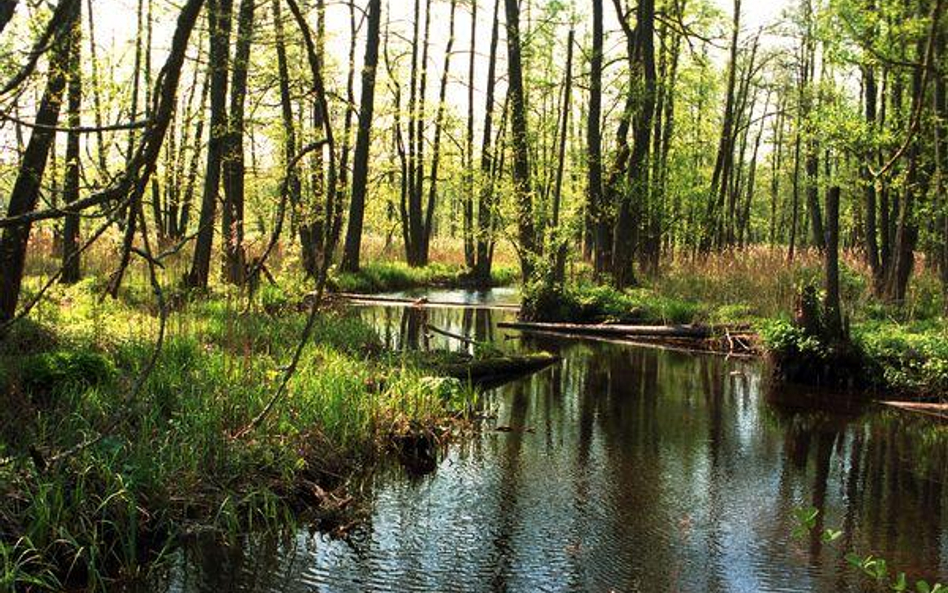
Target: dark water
{"points": [[627, 469]]}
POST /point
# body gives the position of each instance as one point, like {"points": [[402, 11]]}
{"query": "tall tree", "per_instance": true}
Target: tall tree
{"points": [[557, 242], [523, 192], [629, 214], [26, 188], [468, 206], [360, 171], [219, 17], [486, 198], [71, 268], [232, 216], [594, 144]]}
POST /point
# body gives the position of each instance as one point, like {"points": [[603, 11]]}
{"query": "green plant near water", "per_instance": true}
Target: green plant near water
{"points": [[585, 302], [875, 568], [393, 276], [149, 468]]}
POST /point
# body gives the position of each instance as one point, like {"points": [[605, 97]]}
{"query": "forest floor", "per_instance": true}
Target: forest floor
{"points": [[99, 473]]}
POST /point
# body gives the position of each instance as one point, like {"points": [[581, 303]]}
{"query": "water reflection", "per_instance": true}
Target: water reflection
{"points": [[625, 469]]}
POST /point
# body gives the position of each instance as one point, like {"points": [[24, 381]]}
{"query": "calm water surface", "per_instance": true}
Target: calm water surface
{"points": [[626, 469]]}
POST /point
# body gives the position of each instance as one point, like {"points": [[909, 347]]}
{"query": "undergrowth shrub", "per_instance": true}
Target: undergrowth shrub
{"points": [[48, 375]]}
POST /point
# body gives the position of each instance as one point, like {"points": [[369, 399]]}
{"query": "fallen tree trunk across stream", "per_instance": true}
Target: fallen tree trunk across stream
{"points": [[731, 339], [498, 369], [643, 331]]}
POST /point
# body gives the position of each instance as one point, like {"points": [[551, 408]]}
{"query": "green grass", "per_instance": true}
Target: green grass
{"points": [[584, 302], [166, 459], [377, 277]]}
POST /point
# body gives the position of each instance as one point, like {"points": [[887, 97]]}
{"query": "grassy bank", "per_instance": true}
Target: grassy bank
{"points": [[377, 277], [903, 350], [138, 472]]}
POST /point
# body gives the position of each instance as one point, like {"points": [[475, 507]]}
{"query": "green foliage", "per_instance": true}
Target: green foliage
{"points": [[782, 336], [584, 302], [60, 372], [167, 455], [379, 277], [910, 358], [877, 569]]}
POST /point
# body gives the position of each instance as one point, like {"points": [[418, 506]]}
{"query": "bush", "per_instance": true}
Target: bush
{"points": [[589, 303], [55, 373], [906, 358]]}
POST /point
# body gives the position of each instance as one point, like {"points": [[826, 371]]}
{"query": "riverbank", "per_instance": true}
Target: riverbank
{"points": [[900, 351], [382, 276], [98, 473]]}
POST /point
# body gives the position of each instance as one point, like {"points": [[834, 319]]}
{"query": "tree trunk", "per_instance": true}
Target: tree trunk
{"points": [[70, 266], [219, 15], [7, 8], [557, 236], [721, 174], [523, 192], [101, 148], [436, 146], [360, 171], [916, 180], [195, 161], [832, 316], [594, 197], [26, 188], [232, 215], [468, 214], [872, 247], [628, 219], [485, 206]]}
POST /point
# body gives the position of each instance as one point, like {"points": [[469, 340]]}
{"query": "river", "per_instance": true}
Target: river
{"points": [[624, 468]]}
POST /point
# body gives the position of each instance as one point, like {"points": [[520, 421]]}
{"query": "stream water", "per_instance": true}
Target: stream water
{"points": [[624, 468]]}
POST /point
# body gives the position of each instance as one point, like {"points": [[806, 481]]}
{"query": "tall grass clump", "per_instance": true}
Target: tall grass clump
{"points": [[95, 479]]}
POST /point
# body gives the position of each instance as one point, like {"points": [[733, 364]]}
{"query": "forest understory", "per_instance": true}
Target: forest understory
{"points": [[184, 185]]}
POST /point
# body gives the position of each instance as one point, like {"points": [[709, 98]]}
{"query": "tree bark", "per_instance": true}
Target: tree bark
{"points": [[628, 219], [557, 236], [870, 90], [594, 197], [219, 15], [523, 192], [468, 207], [26, 188], [832, 316], [725, 154], [232, 216], [436, 146], [360, 171], [485, 205], [70, 265]]}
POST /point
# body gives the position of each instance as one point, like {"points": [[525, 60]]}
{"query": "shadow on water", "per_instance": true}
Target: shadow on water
{"points": [[623, 469]]}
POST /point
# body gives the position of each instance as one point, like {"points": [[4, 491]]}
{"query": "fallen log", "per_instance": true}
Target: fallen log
{"points": [[642, 331], [497, 369], [934, 410]]}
